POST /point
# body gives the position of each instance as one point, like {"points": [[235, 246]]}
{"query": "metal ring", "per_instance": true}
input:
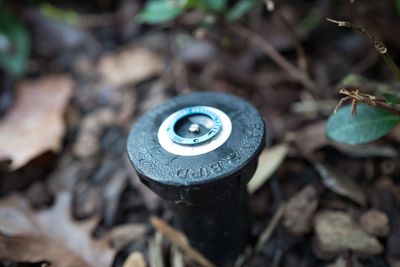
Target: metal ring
{"points": [[219, 133], [197, 110]]}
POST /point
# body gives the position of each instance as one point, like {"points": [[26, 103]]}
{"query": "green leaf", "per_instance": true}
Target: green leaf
{"points": [[55, 13], [368, 124], [215, 5], [159, 11], [392, 98], [239, 9], [15, 52], [398, 6]]}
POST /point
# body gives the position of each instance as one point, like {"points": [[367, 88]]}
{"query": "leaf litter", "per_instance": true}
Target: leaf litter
{"points": [[146, 67], [51, 235], [35, 123]]}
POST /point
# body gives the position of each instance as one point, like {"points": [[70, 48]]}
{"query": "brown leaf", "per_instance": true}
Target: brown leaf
{"points": [[375, 222], [269, 160], [131, 65], [38, 249], [16, 218], [135, 259], [299, 211], [336, 232], [53, 236], [35, 124], [311, 137], [395, 133], [87, 143], [340, 183], [122, 235]]}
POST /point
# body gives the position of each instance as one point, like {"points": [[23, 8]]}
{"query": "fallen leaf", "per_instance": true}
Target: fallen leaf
{"points": [[395, 134], [52, 236], [87, 143], [180, 241], [35, 124], [299, 211], [375, 222], [156, 258], [135, 259], [269, 160], [336, 232], [122, 235], [311, 137], [177, 259], [16, 218], [340, 183], [131, 65], [38, 249], [367, 150]]}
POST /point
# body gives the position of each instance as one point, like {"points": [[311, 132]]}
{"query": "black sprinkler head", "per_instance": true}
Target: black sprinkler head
{"points": [[198, 151]]}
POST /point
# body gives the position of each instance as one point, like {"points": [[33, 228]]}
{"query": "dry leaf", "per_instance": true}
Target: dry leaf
{"points": [[395, 133], [16, 218], [35, 123], [336, 232], [38, 249], [311, 137], [367, 150], [92, 125], [135, 259], [155, 251], [177, 259], [269, 160], [131, 65], [180, 240], [53, 236], [122, 235], [299, 211], [340, 183]]}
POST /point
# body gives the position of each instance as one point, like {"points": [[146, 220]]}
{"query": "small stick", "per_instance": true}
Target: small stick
{"points": [[180, 240], [301, 55], [356, 97], [380, 46], [267, 233], [282, 62]]}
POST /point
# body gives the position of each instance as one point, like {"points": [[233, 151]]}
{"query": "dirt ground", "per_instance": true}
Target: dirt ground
{"points": [[69, 196]]}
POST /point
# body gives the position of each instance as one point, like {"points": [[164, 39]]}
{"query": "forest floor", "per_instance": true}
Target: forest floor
{"points": [[69, 196]]}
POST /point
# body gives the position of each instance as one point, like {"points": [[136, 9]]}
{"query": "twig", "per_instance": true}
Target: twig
{"points": [[356, 97], [301, 55], [267, 233], [98, 20], [180, 240], [257, 40], [379, 46]]}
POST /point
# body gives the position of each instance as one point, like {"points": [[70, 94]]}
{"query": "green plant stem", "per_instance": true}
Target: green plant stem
{"points": [[380, 46], [381, 105], [393, 67]]}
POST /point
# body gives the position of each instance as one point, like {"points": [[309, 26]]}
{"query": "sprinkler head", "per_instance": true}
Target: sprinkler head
{"points": [[198, 151]]}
